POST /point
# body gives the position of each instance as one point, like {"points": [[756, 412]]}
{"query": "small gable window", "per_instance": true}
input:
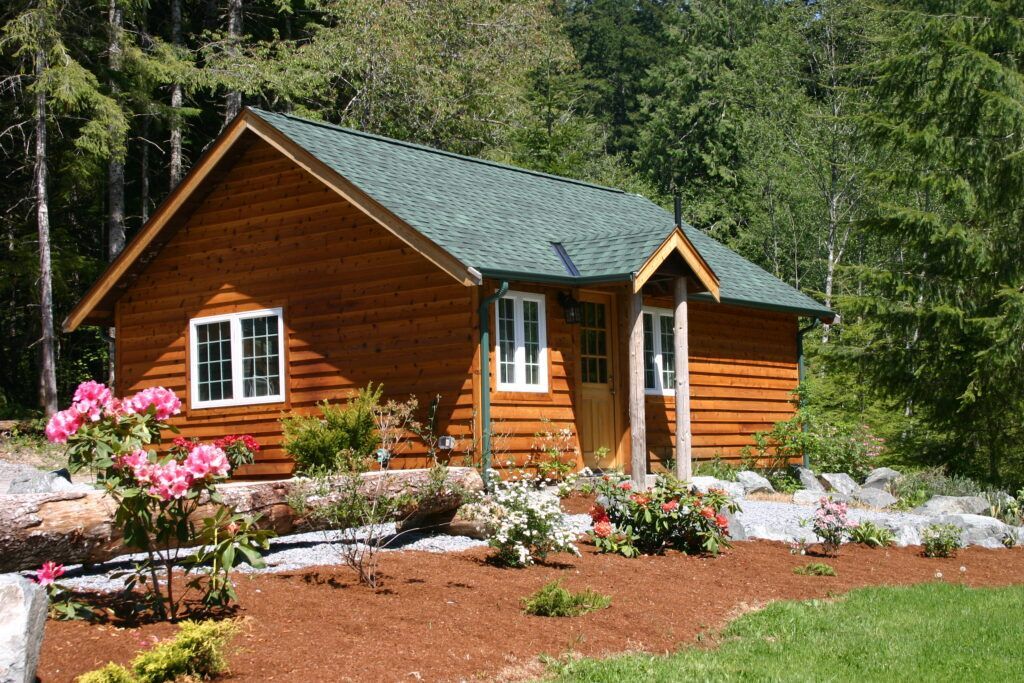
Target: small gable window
{"points": [[521, 342], [659, 351], [237, 359]]}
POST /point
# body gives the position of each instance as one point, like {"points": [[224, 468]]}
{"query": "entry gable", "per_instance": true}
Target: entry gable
{"points": [[677, 244]]}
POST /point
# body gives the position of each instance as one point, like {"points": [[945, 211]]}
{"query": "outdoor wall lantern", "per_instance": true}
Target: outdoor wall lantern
{"points": [[570, 307]]}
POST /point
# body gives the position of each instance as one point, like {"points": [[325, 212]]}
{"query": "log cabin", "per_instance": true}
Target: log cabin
{"points": [[298, 261]]}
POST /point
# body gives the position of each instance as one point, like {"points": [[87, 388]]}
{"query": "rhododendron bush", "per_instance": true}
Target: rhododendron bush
{"points": [[667, 515], [157, 495]]}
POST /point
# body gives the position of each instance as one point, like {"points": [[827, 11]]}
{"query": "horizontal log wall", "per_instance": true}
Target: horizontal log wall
{"points": [[743, 370], [359, 306]]}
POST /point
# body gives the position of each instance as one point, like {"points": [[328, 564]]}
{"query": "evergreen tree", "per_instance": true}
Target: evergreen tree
{"points": [[948, 298]]}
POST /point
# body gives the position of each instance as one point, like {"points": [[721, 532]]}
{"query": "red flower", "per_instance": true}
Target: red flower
{"points": [[626, 486], [722, 522], [640, 499], [598, 514], [669, 506], [49, 572], [184, 444], [707, 513], [603, 529]]}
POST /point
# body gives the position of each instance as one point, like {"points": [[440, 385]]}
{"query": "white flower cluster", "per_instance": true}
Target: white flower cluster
{"points": [[523, 524]]}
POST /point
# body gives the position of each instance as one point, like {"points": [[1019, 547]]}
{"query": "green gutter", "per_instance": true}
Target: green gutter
{"points": [[800, 370], [485, 380], [554, 279]]}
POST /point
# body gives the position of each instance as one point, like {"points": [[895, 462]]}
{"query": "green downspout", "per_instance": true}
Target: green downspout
{"points": [[485, 380], [800, 372]]}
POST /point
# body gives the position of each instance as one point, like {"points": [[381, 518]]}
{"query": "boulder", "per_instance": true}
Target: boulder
{"points": [[31, 480], [880, 478], [953, 505], [733, 489], [840, 482], [806, 497], [987, 532], [876, 498], [23, 607], [808, 480], [753, 482]]}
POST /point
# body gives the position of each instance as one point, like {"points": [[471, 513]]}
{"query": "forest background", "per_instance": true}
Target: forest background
{"points": [[869, 154]]}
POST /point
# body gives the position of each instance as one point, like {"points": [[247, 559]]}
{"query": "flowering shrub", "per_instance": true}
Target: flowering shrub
{"points": [[62, 605], [830, 524], [668, 515], [941, 540], [239, 449], [157, 497], [523, 524]]}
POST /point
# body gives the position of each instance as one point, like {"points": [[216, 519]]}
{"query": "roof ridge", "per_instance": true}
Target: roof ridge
{"points": [[441, 152]]}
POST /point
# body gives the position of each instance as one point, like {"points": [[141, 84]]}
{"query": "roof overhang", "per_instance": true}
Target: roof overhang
{"points": [[96, 307], [677, 244]]}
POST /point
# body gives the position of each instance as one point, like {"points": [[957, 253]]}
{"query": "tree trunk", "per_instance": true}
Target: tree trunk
{"points": [[176, 100], [78, 527], [48, 340], [144, 172], [233, 105], [115, 172]]}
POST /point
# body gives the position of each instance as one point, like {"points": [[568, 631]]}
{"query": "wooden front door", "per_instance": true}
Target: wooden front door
{"points": [[596, 414]]}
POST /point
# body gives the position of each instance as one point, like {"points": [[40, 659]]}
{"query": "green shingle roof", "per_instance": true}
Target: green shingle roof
{"points": [[503, 220]]}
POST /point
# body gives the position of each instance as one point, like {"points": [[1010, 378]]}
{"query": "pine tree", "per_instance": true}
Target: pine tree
{"points": [[949, 298]]}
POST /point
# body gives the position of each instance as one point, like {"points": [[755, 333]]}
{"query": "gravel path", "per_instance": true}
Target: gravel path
{"points": [[298, 551]]}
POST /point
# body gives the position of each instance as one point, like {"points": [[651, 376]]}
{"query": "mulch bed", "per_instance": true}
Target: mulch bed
{"points": [[455, 617]]}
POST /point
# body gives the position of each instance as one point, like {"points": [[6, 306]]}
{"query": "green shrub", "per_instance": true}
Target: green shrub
{"points": [[717, 468], [554, 600], [197, 650], [815, 569], [341, 439], [917, 486], [941, 540], [111, 673], [872, 535]]}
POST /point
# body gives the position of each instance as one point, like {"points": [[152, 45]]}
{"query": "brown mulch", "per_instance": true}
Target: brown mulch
{"points": [[455, 617]]}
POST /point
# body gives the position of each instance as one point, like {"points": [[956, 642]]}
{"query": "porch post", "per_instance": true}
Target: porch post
{"points": [[637, 425], [681, 347]]}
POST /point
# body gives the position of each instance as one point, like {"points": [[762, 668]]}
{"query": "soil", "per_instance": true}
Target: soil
{"points": [[456, 617]]}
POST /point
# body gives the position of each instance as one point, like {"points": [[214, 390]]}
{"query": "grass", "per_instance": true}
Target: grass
{"points": [[554, 600], [929, 632]]}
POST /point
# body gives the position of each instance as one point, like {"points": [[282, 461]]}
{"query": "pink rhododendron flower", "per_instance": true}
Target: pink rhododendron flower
{"points": [[669, 506], [91, 399], [626, 486], [170, 481], [117, 407], [62, 425], [138, 462], [164, 402], [603, 529], [204, 460], [232, 528], [49, 572]]}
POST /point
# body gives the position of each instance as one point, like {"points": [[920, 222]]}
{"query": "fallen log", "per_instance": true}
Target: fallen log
{"points": [[77, 527]]}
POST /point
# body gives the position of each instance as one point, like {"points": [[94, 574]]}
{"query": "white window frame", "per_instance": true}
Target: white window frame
{"points": [[237, 387], [659, 377], [519, 357]]}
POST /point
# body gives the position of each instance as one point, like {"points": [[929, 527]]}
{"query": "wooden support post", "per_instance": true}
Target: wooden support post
{"points": [[681, 347], [637, 421]]}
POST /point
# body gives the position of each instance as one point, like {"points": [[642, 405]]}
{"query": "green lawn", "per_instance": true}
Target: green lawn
{"points": [[933, 632]]}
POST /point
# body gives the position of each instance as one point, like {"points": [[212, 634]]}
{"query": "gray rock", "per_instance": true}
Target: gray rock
{"points": [[33, 482], [806, 497], [733, 489], [954, 505], [737, 531], [23, 606], [987, 532], [808, 480], [876, 498], [840, 482], [880, 478], [753, 482]]}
